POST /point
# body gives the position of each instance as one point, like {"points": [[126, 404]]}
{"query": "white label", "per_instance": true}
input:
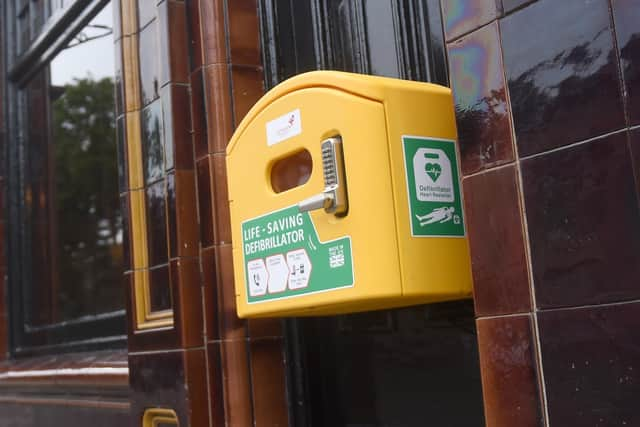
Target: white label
{"points": [[278, 273], [433, 177], [284, 127]]}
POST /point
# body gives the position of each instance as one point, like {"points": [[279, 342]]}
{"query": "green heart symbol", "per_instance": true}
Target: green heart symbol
{"points": [[433, 170]]}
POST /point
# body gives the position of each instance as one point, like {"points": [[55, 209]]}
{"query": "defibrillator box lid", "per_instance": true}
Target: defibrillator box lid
{"points": [[345, 196]]}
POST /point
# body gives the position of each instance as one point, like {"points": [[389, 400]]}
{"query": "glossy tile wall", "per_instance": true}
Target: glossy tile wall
{"points": [[167, 366], [546, 97], [246, 377], [191, 72]]}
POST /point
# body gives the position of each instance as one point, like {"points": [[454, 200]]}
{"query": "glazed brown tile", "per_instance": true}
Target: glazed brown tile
{"points": [[510, 5], [173, 380], [462, 16], [231, 327], [153, 340], [195, 366], [216, 391], [195, 35], [627, 16], [222, 232], [157, 224], [198, 115], [181, 206], [209, 291], [149, 62], [248, 87], [177, 127], [562, 73], [244, 32], [236, 383], [160, 289], [213, 34], [591, 365], [152, 142], [187, 330], [205, 207], [174, 47], [482, 113], [268, 382], [509, 373], [265, 328], [218, 107], [187, 290], [584, 224], [496, 238]]}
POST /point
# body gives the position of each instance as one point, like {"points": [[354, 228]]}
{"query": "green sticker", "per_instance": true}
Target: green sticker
{"points": [[284, 258], [431, 168]]}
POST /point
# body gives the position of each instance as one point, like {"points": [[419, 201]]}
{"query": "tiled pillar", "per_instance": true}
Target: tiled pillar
{"points": [[546, 100], [246, 364], [167, 357]]}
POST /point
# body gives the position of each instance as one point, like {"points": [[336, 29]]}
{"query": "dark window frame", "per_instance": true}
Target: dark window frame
{"points": [[422, 58], [86, 333]]}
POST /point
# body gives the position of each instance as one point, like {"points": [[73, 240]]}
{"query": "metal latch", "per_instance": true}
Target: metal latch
{"points": [[334, 197]]}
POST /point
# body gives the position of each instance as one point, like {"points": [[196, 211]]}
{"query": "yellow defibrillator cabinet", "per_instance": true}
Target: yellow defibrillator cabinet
{"points": [[345, 196]]}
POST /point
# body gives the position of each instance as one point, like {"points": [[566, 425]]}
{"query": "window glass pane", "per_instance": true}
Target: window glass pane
{"points": [[381, 38], [74, 224]]}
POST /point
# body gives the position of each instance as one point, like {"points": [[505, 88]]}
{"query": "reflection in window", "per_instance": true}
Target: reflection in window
{"points": [[74, 224]]}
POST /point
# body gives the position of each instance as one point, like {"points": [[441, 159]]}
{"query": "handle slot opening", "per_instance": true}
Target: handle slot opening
{"points": [[291, 171]]}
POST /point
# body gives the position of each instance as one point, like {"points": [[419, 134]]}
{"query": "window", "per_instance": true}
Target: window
{"points": [[66, 284]]}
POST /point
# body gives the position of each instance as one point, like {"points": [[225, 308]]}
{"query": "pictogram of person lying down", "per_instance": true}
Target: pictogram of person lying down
{"points": [[437, 215]]}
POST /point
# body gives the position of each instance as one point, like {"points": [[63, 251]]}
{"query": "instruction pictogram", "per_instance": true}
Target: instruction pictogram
{"points": [[278, 273], [258, 277], [284, 257], [299, 269]]}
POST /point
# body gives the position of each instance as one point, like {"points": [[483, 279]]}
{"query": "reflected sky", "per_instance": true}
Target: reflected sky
{"points": [[94, 58], [562, 73], [548, 58]]}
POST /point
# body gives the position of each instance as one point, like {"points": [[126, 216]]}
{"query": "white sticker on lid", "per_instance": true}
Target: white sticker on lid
{"points": [[284, 127]]}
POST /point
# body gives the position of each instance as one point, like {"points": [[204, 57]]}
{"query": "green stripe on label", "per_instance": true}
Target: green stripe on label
{"points": [[284, 258]]}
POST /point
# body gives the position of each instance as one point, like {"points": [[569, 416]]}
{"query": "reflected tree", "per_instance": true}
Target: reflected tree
{"points": [[89, 233]]}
